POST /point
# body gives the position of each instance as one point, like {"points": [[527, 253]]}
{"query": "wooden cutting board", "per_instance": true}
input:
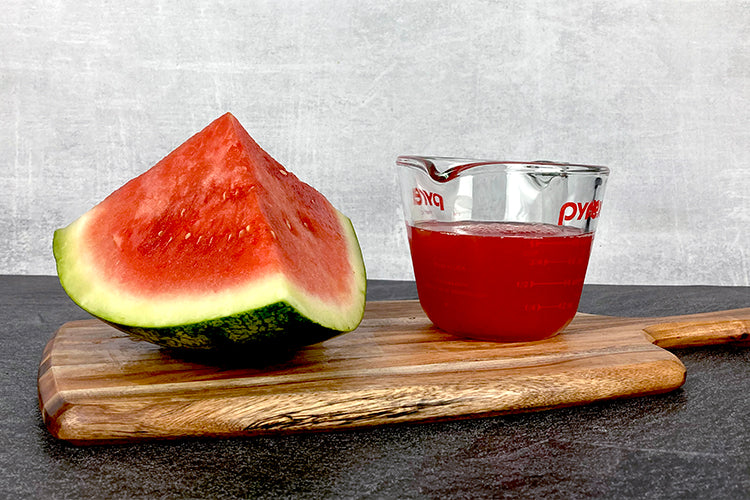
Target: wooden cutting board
{"points": [[96, 385]]}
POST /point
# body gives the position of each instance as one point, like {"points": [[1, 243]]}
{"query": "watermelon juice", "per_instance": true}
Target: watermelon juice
{"points": [[500, 281]]}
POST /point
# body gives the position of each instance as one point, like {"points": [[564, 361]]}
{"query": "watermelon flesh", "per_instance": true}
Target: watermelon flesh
{"points": [[216, 246]]}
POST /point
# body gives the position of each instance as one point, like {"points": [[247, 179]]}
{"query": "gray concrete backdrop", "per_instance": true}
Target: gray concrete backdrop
{"points": [[94, 93]]}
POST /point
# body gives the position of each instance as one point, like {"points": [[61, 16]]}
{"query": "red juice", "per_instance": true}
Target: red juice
{"points": [[502, 281]]}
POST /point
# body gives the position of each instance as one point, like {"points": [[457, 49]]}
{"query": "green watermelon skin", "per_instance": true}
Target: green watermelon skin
{"points": [[275, 328], [290, 304]]}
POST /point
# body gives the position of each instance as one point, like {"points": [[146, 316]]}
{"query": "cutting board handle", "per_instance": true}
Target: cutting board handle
{"points": [[702, 331]]}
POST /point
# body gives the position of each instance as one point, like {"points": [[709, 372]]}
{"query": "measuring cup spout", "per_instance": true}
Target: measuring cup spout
{"points": [[441, 169]]}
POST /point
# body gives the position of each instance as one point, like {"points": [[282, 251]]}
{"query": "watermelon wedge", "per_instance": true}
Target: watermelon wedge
{"points": [[216, 246]]}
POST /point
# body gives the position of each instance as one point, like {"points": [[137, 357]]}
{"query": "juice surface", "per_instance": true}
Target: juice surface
{"points": [[502, 281]]}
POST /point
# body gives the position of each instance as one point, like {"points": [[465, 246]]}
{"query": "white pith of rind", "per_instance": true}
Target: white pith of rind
{"points": [[107, 300]]}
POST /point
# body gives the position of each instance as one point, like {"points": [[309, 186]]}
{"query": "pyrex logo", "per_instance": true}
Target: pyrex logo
{"points": [[576, 210], [422, 197]]}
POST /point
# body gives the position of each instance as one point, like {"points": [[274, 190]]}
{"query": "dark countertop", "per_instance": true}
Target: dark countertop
{"points": [[691, 443]]}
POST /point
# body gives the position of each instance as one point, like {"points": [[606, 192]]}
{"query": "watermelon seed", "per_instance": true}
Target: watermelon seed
{"points": [[273, 235], [182, 212], [199, 239], [229, 237], [187, 236], [239, 235], [224, 196], [288, 224], [211, 240], [161, 233], [283, 172], [247, 228]]}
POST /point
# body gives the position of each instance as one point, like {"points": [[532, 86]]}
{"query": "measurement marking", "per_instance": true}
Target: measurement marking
{"points": [[562, 305], [532, 284], [546, 262]]}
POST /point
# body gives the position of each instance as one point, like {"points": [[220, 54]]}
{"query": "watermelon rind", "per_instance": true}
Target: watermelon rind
{"points": [[274, 327], [271, 313]]}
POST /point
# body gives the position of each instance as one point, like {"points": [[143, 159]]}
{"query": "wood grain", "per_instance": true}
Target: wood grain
{"points": [[96, 385]]}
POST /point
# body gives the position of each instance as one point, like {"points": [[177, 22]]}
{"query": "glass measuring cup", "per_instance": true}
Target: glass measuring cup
{"points": [[500, 249]]}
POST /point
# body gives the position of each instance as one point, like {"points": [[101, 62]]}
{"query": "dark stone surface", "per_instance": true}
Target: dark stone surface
{"points": [[690, 443]]}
